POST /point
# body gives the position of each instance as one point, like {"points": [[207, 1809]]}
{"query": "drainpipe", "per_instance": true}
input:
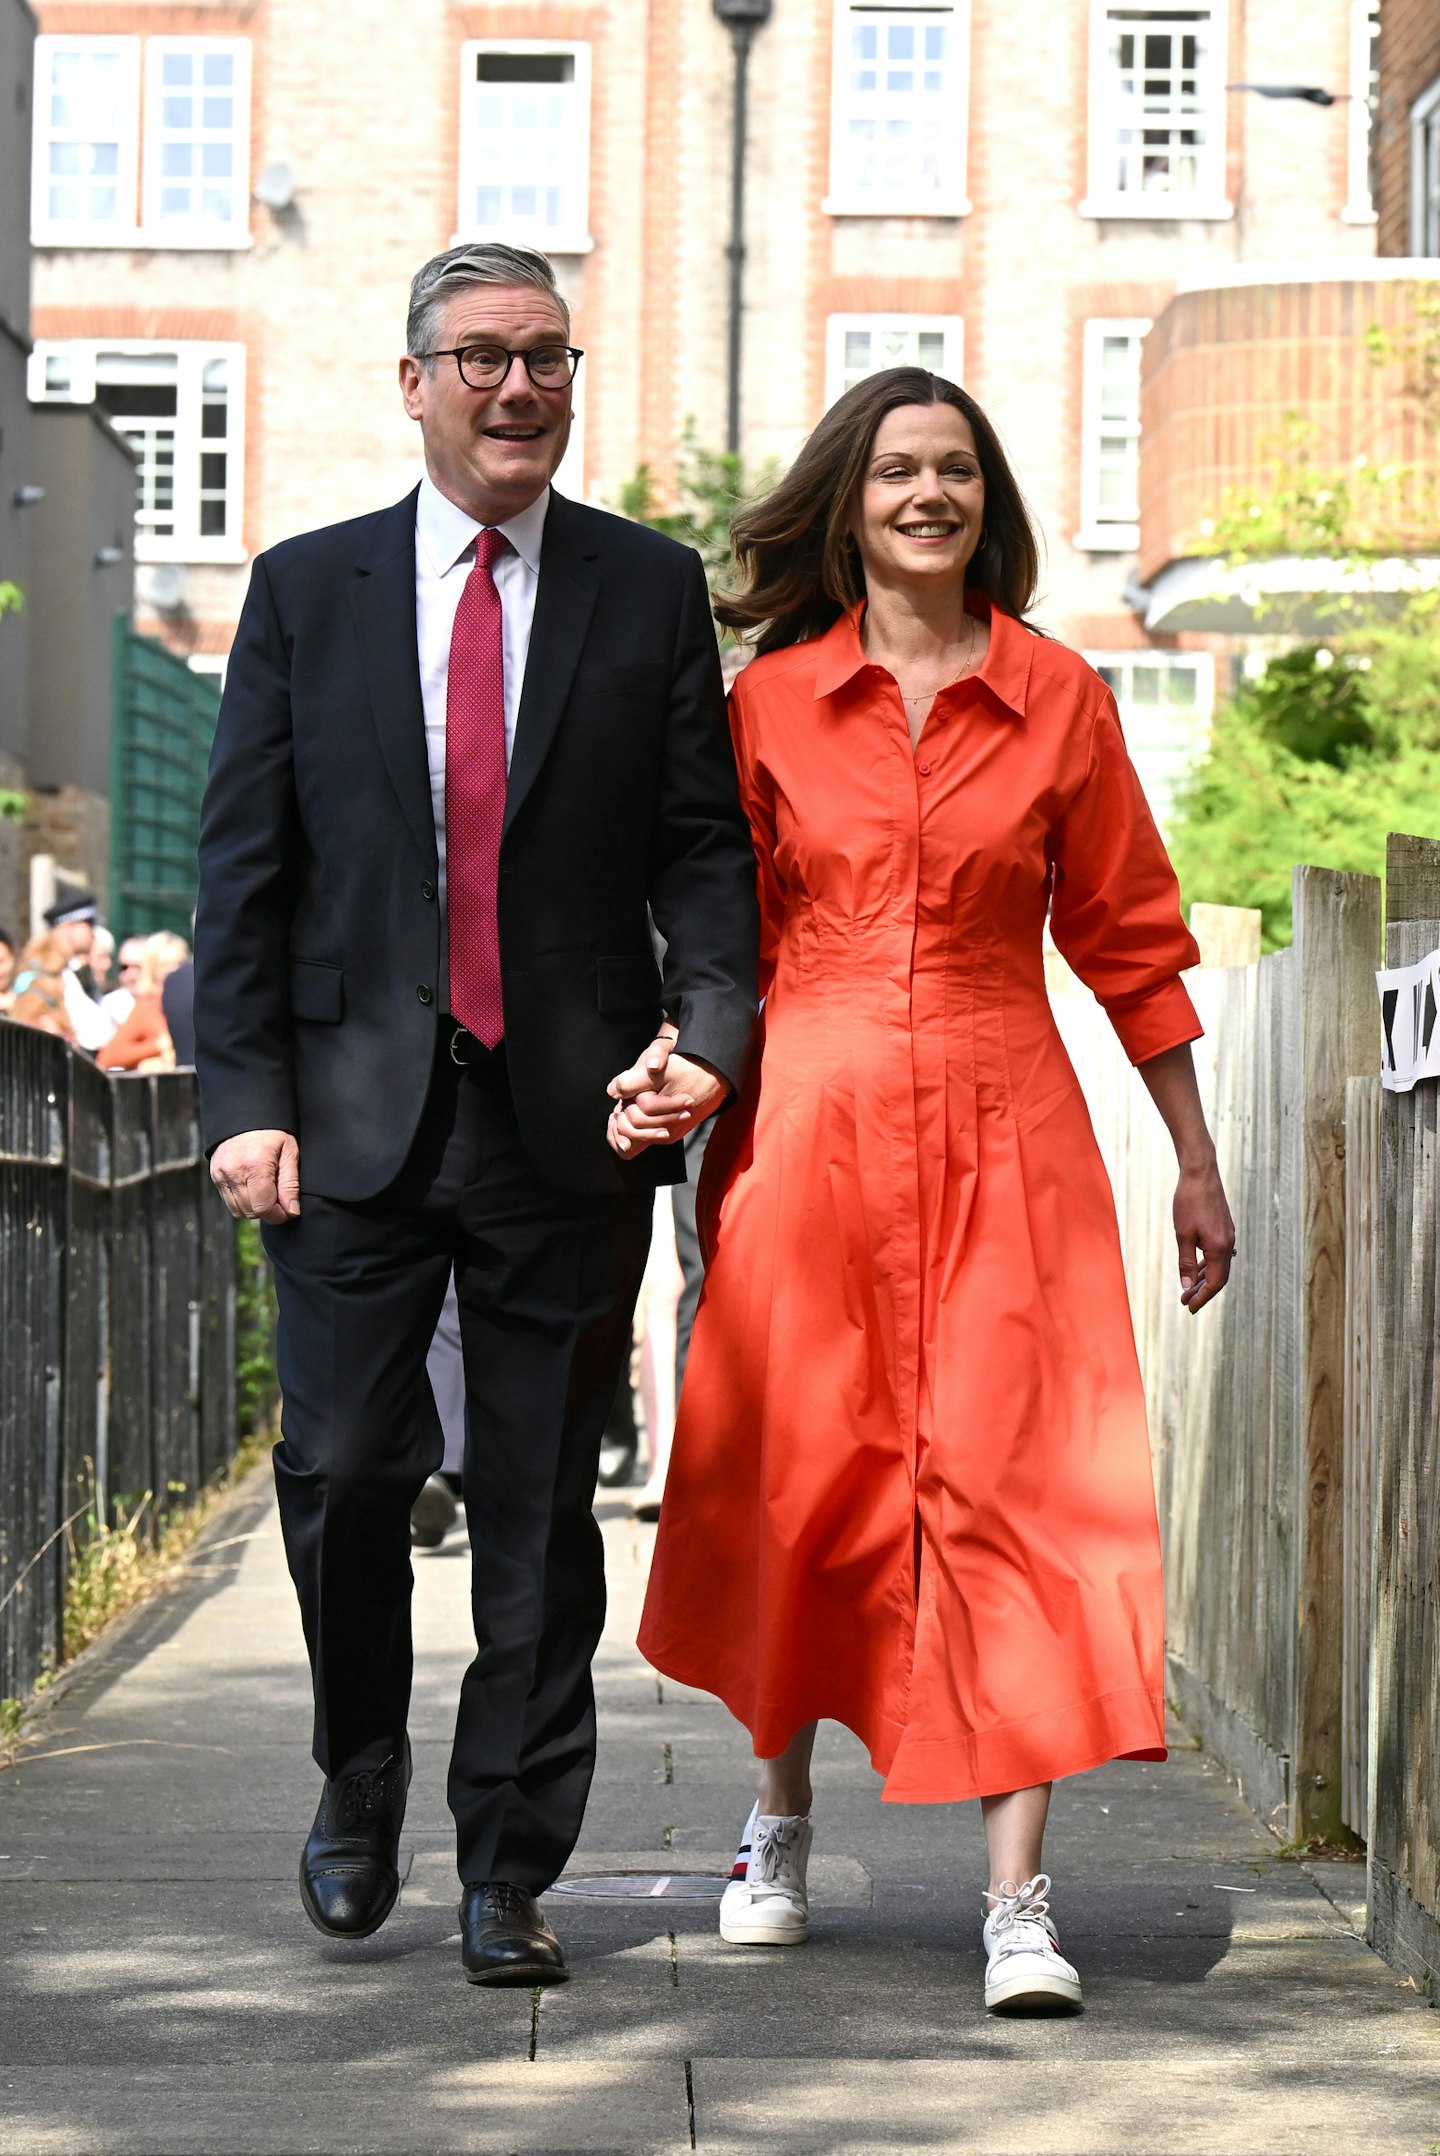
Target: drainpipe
{"points": [[742, 18]]}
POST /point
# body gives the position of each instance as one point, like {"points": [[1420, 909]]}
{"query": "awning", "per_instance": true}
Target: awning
{"points": [[1293, 594]]}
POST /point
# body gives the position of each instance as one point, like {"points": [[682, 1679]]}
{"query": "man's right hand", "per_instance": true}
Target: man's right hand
{"points": [[257, 1173]]}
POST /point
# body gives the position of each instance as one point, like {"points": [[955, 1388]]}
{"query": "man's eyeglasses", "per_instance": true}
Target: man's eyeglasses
{"points": [[486, 366]]}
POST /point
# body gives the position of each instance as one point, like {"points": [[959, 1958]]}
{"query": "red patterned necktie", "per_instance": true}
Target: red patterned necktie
{"points": [[475, 795]]}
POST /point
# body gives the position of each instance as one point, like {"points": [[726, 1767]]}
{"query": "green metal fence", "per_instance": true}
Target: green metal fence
{"points": [[163, 724]]}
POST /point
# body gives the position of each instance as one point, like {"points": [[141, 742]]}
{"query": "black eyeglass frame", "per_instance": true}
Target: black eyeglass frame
{"points": [[573, 352]]}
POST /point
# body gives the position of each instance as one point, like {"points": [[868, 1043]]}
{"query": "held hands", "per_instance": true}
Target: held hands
{"points": [[1205, 1233], [258, 1175], [660, 1098]]}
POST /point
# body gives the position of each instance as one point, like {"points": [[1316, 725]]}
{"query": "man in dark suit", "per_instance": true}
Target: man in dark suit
{"points": [[467, 746]]}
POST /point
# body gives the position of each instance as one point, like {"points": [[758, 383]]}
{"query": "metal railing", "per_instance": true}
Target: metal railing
{"points": [[117, 1320]]}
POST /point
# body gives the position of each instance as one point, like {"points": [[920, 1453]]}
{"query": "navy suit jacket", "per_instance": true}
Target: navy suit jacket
{"points": [[319, 942]]}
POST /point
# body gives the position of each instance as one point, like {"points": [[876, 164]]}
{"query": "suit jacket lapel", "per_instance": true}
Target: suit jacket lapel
{"points": [[382, 600], [565, 596]]}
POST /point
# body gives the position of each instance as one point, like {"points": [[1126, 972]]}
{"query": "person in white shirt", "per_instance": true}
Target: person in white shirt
{"points": [[73, 919]]}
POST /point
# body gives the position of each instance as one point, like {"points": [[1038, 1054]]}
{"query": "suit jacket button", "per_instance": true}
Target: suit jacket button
{"points": [[427, 890], [424, 994]]}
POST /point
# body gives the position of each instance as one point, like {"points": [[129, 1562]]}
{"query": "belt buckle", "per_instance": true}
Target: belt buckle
{"points": [[461, 1033]]}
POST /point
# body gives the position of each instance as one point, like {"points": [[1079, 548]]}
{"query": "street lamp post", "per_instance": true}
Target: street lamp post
{"points": [[742, 18]]}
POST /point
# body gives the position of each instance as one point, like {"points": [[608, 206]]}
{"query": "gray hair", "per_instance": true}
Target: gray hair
{"points": [[480, 262]]}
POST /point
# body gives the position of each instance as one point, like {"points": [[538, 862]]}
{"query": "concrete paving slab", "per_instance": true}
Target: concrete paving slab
{"points": [[1204, 2107], [372, 2109]]}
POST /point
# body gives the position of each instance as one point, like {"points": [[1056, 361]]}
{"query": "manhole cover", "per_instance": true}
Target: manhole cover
{"points": [[645, 1886]]}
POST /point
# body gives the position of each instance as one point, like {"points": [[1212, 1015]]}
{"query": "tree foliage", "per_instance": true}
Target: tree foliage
{"points": [[710, 486]]}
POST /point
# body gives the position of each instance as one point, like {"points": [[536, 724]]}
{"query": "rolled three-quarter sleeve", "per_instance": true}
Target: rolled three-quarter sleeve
{"points": [[1115, 911]]}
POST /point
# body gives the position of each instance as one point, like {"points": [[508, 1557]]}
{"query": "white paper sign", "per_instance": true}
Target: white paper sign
{"points": [[1409, 1023]]}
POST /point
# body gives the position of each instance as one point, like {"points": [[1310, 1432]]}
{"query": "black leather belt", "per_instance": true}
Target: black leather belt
{"points": [[472, 1054]]}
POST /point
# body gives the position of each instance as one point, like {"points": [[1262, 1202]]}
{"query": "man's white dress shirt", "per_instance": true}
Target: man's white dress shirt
{"points": [[444, 556]]}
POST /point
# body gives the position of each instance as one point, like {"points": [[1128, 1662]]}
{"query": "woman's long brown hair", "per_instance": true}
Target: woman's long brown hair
{"points": [[800, 567]]}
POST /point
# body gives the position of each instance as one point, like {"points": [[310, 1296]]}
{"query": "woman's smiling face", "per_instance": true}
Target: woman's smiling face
{"points": [[922, 501]]}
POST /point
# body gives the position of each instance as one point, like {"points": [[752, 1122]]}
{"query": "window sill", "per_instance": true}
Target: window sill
{"points": [[1155, 209], [142, 241], [1359, 213], [565, 243], [1106, 539], [192, 553], [866, 206]]}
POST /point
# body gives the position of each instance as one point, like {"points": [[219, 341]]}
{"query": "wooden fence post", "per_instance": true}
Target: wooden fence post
{"points": [[1404, 1800], [1337, 945]]}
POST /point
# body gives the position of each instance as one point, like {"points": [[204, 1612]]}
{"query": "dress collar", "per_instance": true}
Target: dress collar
{"points": [[1005, 669], [447, 531]]}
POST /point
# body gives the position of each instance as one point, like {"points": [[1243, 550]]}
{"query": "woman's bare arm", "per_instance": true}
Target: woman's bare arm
{"points": [[1203, 1227]]}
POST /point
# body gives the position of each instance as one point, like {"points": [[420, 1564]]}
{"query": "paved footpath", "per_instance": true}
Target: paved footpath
{"points": [[164, 1995]]}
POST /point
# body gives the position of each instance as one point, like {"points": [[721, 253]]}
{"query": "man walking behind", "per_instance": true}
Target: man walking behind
{"points": [[415, 976]]}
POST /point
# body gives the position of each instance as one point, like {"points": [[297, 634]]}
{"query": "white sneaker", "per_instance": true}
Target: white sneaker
{"points": [[1026, 1973], [765, 1903]]}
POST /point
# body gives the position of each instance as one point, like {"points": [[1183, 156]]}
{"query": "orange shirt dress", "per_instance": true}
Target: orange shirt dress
{"points": [[910, 1489]]}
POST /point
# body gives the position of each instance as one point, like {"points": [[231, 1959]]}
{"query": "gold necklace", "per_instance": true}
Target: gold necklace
{"points": [[918, 696]]}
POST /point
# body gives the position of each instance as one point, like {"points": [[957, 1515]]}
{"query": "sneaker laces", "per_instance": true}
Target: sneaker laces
{"points": [[1018, 1922], [772, 1848]]}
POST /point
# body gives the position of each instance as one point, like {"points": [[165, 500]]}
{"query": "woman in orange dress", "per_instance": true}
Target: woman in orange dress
{"points": [[911, 1487], [141, 1042]]}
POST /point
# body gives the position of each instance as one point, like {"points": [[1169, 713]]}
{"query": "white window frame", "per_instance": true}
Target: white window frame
{"points": [[949, 326], [1101, 533], [1204, 707], [187, 543], [195, 231], [1103, 198], [1364, 31], [573, 237], [214, 665], [137, 224], [48, 231], [1425, 173], [950, 199]]}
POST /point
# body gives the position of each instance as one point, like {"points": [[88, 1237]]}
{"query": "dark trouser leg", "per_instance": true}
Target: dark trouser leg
{"points": [[358, 1292], [687, 1248], [547, 1285]]}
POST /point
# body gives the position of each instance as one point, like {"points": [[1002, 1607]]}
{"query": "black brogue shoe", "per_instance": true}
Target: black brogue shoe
{"points": [[350, 1873], [504, 1939]]}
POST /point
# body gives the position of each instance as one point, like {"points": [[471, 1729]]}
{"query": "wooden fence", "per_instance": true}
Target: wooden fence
{"points": [[1294, 1422]]}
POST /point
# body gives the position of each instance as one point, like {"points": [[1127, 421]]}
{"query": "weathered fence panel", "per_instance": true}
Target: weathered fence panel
{"points": [[1296, 1424], [1404, 1763], [117, 1328], [1246, 1399]]}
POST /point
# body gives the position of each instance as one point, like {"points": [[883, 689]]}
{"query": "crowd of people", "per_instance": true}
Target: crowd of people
{"points": [[60, 982]]}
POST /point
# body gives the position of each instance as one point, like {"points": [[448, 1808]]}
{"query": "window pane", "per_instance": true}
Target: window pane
{"points": [[1159, 101], [522, 144], [197, 153], [89, 117], [885, 108]]}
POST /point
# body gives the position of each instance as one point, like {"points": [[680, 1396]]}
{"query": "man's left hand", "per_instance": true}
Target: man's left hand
{"points": [[661, 1098]]}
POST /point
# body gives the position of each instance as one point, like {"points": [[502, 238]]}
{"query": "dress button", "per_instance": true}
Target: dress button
{"points": [[924, 770], [424, 994], [427, 889]]}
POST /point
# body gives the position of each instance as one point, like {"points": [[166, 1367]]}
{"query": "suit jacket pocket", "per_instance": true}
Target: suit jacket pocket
{"points": [[631, 681], [317, 991], [626, 984]]}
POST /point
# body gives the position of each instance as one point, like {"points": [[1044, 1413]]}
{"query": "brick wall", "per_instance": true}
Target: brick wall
{"points": [[1226, 368], [1409, 61]]}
